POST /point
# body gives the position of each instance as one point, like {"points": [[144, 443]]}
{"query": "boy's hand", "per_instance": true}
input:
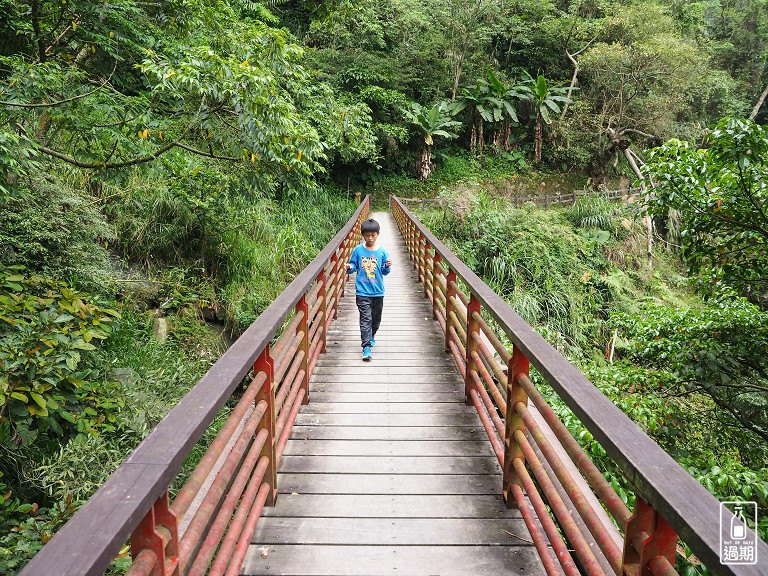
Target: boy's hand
{"points": [[348, 266], [388, 263]]}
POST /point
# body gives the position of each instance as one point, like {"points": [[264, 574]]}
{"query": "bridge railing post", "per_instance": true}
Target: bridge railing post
{"points": [[264, 363], [436, 273], [412, 236], [450, 297], [156, 540], [428, 270], [323, 295], [337, 278], [517, 365], [648, 540], [422, 259], [303, 308], [471, 346]]}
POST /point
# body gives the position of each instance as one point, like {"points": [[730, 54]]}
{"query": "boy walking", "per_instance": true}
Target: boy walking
{"points": [[372, 263]]}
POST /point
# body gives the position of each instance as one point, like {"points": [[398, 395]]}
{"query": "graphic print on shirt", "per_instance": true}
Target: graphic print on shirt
{"points": [[369, 265]]}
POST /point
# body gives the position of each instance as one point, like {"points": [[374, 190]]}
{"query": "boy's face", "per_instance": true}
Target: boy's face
{"points": [[370, 239]]}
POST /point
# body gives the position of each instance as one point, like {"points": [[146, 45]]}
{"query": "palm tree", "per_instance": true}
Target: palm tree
{"points": [[476, 98], [544, 98], [437, 121], [505, 99]]}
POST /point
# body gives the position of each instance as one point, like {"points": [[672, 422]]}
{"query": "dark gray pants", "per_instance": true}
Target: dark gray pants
{"points": [[370, 308]]}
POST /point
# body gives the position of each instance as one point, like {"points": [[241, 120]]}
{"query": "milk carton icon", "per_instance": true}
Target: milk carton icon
{"points": [[738, 524], [738, 545]]}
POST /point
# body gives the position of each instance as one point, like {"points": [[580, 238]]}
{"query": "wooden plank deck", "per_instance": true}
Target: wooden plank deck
{"points": [[387, 471]]}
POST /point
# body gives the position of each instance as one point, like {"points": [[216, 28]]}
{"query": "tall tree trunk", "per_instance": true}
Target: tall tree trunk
{"points": [[538, 131], [480, 139], [457, 75], [573, 82], [424, 164], [647, 220], [759, 103], [34, 14], [572, 59]]}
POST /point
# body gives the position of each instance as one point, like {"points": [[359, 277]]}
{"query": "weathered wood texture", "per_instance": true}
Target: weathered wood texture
{"points": [[387, 470]]}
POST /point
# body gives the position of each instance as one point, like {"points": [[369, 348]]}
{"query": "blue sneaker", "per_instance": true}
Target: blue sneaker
{"points": [[373, 343], [367, 353]]}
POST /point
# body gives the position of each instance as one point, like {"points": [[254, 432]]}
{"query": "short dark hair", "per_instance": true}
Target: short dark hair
{"points": [[369, 225]]}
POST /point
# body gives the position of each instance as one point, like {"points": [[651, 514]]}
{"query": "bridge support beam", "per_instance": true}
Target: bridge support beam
{"points": [[648, 539], [157, 535]]}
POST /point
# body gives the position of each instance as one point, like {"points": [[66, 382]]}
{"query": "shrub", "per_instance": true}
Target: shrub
{"points": [[55, 231], [46, 382]]}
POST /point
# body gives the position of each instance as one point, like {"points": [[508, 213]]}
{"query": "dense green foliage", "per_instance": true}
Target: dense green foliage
{"points": [[645, 70], [174, 164], [691, 373], [721, 195], [718, 351], [49, 329]]}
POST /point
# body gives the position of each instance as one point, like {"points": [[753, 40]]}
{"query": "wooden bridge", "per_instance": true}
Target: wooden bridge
{"points": [[438, 457]]}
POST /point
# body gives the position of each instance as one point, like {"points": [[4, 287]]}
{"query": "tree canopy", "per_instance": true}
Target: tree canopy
{"points": [[720, 193]]}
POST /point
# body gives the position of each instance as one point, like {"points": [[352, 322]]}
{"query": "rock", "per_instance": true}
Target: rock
{"points": [[128, 377], [160, 329], [209, 313]]}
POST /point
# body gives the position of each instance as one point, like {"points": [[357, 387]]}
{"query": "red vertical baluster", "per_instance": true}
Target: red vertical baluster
{"points": [[323, 318], [516, 366], [472, 327], [436, 271], [423, 259], [450, 297], [340, 263], [302, 307], [338, 283], [264, 363], [412, 245]]}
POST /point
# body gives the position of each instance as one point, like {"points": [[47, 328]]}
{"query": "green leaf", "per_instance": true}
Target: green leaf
{"points": [[39, 400], [68, 416], [83, 345]]}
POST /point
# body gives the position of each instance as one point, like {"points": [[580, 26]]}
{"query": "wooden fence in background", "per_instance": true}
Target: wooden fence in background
{"points": [[628, 195]]}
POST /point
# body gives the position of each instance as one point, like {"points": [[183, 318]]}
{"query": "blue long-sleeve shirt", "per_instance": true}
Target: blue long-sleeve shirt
{"points": [[371, 267]]}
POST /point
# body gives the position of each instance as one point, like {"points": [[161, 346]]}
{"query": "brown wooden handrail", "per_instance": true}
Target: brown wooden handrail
{"points": [[666, 492], [93, 537]]}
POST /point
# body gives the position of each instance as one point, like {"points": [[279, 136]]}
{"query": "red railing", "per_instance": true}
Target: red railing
{"points": [[546, 474], [208, 526]]}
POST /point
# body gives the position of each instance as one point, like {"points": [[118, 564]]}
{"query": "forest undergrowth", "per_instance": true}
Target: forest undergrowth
{"points": [[159, 283], [580, 277]]}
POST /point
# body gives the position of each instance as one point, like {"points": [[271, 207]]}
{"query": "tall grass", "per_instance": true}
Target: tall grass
{"points": [[552, 265], [261, 260], [594, 211]]}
